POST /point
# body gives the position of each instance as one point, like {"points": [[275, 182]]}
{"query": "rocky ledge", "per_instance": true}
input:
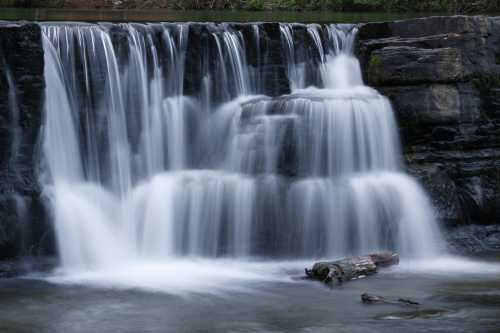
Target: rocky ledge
{"points": [[443, 76]]}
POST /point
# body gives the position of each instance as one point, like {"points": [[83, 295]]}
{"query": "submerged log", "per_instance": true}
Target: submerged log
{"points": [[351, 268]]}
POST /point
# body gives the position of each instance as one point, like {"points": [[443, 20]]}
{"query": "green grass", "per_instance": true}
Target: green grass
{"points": [[450, 6]]}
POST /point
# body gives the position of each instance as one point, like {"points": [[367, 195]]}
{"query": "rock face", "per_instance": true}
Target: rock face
{"points": [[442, 75], [21, 100]]}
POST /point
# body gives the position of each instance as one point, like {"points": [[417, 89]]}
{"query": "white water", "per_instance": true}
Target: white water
{"points": [[142, 177]]}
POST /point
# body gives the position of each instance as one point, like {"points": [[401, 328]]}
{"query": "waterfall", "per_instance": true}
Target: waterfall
{"points": [[137, 167]]}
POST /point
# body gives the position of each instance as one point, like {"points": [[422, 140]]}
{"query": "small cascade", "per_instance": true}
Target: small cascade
{"points": [[161, 141], [296, 71]]}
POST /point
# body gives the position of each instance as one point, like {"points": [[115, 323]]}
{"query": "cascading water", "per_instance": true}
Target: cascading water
{"points": [[138, 169]]}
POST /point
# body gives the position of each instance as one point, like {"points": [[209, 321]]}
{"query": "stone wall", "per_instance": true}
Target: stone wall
{"points": [[442, 75]]}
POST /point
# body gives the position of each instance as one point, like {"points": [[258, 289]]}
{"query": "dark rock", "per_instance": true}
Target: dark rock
{"points": [[473, 239], [21, 97], [444, 133], [422, 27], [444, 193], [16, 268], [400, 65], [374, 299], [442, 75], [437, 104]]}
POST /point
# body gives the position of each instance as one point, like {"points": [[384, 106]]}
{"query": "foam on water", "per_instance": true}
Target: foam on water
{"points": [[182, 276], [455, 266]]}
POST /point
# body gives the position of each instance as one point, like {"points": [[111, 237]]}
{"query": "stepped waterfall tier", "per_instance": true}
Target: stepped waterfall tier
{"points": [[156, 147]]}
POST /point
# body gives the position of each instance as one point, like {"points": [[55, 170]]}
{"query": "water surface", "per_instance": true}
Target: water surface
{"points": [[278, 302]]}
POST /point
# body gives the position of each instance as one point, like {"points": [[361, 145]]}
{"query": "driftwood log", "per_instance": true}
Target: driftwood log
{"points": [[351, 268]]}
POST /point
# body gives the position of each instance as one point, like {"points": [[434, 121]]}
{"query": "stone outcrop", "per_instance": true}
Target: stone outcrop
{"points": [[21, 100], [442, 75]]}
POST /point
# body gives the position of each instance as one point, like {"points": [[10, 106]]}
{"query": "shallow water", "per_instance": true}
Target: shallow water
{"points": [[225, 296]]}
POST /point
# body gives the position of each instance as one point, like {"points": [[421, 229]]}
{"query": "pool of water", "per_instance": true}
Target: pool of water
{"points": [[43, 14], [226, 296]]}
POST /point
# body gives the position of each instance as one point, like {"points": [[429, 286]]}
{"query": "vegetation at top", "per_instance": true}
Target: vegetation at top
{"points": [[450, 6]]}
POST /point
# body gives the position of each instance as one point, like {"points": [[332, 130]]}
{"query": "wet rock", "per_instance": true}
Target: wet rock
{"points": [[428, 26], [21, 60], [473, 239], [16, 268], [374, 299], [442, 75], [399, 65], [437, 104], [444, 133], [444, 193]]}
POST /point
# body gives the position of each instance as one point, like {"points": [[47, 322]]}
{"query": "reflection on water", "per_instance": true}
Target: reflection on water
{"points": [[43, 14]]}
